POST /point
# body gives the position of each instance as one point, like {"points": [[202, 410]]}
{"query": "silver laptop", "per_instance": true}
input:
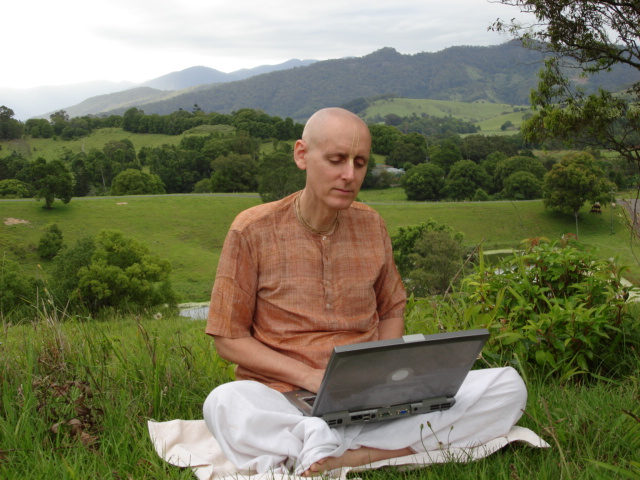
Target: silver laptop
{"points": [[389, 379]]}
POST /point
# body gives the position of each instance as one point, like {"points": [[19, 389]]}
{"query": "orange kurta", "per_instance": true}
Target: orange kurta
{"points": [[301, 293]]}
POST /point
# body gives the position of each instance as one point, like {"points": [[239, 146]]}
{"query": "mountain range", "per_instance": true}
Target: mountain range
{"points": [[503, 73], [41, 101]]}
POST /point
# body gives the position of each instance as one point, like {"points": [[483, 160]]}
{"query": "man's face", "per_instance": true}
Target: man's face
{"points": [[336, 161]]}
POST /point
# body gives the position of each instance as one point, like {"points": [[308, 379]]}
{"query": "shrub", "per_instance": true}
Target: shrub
{"points": [[16, 290], [112, 270], [428, 256], [553, 305], [50, 243]]}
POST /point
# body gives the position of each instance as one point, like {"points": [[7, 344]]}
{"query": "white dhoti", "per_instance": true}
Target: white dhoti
{"points": [[259, 430]]}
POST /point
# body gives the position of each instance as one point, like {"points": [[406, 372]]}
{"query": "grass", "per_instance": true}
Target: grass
{"points": [[488, 116], [75, 397], [189, 230], [51, 149]]}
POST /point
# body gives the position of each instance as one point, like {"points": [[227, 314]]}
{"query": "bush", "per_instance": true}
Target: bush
{"points": [[112, 270], [428, 256], [554, 306], [16, 290], [50, 243]]}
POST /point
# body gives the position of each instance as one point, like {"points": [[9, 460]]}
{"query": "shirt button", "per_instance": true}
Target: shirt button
{"points": [[328, 305], [324, 238]]}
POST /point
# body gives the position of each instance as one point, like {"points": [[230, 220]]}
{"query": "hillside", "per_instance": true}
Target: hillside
{"points": [[499, 74], [189, 229]]}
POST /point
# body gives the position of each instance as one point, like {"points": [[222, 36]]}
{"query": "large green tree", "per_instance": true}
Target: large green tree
{"points": [[594, 36], [234, 173], [10, 128], [423, 182], [51, 180], [464, 179], [135, 182], [573, 181]]}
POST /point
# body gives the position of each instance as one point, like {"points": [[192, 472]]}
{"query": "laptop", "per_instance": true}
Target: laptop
{"points": [[390, 379]]}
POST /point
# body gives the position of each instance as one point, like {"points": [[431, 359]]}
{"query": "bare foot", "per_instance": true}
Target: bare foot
{"points": [[354, 458]]}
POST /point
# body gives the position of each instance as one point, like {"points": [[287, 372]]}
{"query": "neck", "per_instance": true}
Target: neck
{"points": [[316, 218]]}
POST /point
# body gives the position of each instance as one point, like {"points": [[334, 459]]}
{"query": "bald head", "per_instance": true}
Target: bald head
{"points": [[327, 121]]}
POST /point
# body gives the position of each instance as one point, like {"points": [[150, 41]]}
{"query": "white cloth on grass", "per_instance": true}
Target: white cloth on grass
{"points": [[259, 430], [189, 444]]}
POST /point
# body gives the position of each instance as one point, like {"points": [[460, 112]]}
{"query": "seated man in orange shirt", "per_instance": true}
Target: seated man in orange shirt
{"points": [[300, 276]]}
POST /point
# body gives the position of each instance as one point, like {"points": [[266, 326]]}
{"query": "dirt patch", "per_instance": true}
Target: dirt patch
{"points": [[15, 221]]}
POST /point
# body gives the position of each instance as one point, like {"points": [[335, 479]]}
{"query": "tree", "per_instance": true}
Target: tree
{"points": [[464, 178], [10, 128], [135, 182], [423, 182], [522, 186], [573, 181], [234, 173], [509, 166], [279, 176], [595, 37], [445, 154], [410, 149], [51, 180]]}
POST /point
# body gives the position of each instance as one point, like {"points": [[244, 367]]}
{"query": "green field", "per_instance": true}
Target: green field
{"points": [[190, 229], [488, 116]]}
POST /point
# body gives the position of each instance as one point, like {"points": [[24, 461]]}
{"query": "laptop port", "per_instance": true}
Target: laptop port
{"points": [[404, 411]]}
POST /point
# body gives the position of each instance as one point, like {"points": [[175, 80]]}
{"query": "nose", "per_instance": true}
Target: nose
{"points": [[348, 170]]}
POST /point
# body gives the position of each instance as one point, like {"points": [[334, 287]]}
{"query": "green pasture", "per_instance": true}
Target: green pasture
{"points": [[189, 229], [51, 149], [489, 116]]}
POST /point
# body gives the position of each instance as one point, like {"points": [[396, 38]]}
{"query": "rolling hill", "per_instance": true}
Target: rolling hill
{"points": [[498, 74]]}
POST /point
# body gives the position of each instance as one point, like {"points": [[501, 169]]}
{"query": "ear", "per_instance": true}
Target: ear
{"points": [[300, 151]]}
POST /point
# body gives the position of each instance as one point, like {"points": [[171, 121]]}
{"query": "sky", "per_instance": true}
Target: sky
{"points": [[63, 42]]}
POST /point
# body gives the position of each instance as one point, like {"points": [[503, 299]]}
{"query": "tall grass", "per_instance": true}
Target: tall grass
{"points": [[75, 396]]}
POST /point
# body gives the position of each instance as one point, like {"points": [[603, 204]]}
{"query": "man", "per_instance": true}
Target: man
{"points": [[302, 275]]}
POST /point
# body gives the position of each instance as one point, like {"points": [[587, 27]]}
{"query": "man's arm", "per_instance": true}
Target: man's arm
{"points": [[257, 357], [391, 328]]}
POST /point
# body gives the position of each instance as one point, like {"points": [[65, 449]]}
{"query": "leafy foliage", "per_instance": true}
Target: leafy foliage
{"points": [[593, 37], [50, 243], [554, 306], [436, 260], [135, 182], [279, 176], [16, 290], [52, 179], [113, 271], [573, 181], [406, 239], [423, 182]]}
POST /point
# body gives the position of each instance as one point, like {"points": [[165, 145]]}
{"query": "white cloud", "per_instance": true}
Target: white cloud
{"points": [[69, 41]]}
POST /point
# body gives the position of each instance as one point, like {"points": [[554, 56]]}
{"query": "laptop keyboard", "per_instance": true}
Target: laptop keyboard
{"points": [[310, 400]]}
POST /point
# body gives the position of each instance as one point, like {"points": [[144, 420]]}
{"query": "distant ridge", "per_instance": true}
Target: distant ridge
{"points": [[42, 101], [503, 73], [499, 74]]}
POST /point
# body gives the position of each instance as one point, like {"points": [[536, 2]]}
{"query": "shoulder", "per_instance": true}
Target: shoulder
{"points": [[364, 213], [262, 215]]}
